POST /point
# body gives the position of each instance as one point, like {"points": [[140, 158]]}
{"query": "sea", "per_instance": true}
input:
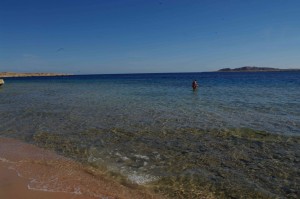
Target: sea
{"points": [[236, 136]]}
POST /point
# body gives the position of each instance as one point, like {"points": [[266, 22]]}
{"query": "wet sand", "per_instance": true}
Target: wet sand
{"points": [[13, 186], [27, 171]]}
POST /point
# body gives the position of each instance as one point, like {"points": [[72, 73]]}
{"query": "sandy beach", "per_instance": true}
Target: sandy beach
{"points": [[13, 74], [29, 172]]}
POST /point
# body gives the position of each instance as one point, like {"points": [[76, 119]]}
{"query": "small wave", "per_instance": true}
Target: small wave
{"points": [[6, 160], [42, 186]]}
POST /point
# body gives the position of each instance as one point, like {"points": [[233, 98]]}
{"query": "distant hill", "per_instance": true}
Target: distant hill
{"points": [[254, 69], [12, 74]]}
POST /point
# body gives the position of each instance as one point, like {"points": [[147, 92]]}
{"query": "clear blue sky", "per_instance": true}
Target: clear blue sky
{"points": [[137, 36]]}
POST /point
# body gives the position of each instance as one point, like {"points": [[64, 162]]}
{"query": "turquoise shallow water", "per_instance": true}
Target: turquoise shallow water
{"points": [[138, 124]]}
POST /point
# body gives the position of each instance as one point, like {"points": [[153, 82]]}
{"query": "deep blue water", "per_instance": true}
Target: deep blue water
{"points": [[236, 136]]}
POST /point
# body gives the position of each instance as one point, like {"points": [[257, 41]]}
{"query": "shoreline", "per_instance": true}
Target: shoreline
{"points": [[13, 74], [27, 171]]}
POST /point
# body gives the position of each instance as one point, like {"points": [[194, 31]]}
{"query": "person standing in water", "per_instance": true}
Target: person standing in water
{"points": [[194, 85]]}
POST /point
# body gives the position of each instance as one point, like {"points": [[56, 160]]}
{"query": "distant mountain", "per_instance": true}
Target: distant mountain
{"points": [[254, 69]]}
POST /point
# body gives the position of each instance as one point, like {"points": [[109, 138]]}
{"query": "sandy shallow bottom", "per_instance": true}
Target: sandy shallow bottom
{"points": [[12, 186], [27, 171]]}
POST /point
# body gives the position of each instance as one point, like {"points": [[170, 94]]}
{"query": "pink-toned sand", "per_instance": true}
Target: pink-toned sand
{"points": [[12, 186], [27, 172]]}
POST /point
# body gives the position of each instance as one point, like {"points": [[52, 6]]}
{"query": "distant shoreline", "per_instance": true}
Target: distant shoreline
{"points": [[243, 69], [13, 74], [256, 69]]}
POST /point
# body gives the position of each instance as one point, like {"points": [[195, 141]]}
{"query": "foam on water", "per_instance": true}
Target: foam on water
{"points": [[141, 179], [141, 156], [5, 160], [53, 186]]}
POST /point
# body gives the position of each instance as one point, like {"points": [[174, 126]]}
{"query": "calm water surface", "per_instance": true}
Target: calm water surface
{"points": [[237, 135]]}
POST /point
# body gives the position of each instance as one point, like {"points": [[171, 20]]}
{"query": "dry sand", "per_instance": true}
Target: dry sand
{"points": [[12, 74]]}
